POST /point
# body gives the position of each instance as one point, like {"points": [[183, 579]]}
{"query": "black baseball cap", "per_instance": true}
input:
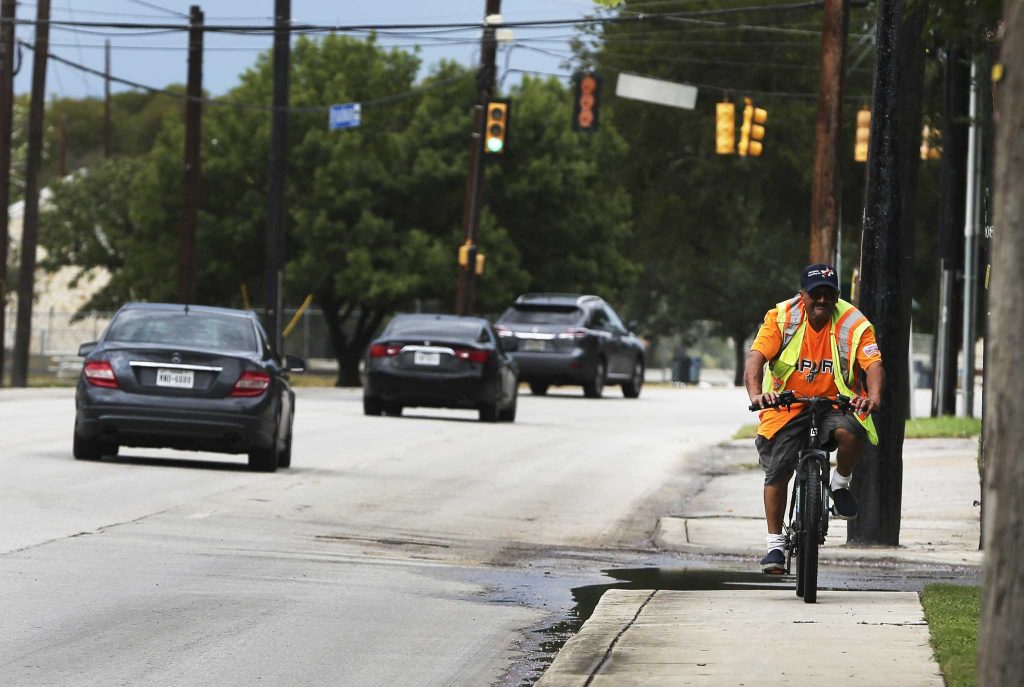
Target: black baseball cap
{"points": [[817, 275]]}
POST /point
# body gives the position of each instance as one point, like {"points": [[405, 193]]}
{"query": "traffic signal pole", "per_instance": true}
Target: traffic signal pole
{"points": [[7, 13], [277, 211], [475, 180], [190, 188], [825, 185]]}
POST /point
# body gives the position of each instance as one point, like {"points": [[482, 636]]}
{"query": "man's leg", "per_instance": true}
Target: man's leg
{"points": [[775, 503], [850, 448]]}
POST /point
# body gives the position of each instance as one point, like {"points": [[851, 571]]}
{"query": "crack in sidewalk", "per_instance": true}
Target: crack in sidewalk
{"points": [[607, 654]]}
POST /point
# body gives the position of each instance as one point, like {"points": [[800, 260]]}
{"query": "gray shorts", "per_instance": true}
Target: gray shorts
{"points": [[778, 455]]}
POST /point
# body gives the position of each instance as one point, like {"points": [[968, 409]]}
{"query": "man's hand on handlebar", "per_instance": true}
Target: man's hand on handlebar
{"points": [[864, 405], [767, 400]]}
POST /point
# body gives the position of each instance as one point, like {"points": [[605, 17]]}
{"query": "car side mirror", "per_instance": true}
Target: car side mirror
{"points": [[508, 343], [632, 325], [86, 348], [294, 363]]}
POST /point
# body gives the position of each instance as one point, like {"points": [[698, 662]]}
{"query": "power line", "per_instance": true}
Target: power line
{"points": [[165, 10]]}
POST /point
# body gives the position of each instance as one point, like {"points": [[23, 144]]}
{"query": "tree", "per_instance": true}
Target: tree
{"points": [[1001, 635]]}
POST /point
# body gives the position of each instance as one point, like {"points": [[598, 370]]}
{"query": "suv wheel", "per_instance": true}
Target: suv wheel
{"points": [[631, 389], [538, 389], [595, 387]]}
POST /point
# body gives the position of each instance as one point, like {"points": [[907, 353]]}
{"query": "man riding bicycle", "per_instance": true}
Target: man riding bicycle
{"points": [[815, 344]]}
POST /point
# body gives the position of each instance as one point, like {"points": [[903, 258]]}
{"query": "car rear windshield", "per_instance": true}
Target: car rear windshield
{"points": [[545, 314], [193, 330], [436, 329]]}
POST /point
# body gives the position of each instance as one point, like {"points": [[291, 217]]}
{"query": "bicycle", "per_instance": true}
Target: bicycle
{"points": [[808, 505]]}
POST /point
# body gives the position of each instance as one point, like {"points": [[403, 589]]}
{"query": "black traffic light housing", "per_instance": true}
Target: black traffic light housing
{"points": [[586, 104], [496, 116]]}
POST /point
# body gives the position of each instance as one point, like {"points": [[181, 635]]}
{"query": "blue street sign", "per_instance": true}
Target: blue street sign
{"points": [[345, 116]]}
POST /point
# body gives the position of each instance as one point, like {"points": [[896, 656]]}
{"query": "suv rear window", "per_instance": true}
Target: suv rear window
{"points": [[542, 314]]}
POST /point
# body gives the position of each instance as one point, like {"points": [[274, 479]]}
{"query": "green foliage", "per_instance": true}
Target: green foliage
{"points": [[953, 613]]}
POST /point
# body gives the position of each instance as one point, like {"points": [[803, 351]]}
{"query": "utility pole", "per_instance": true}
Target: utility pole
{"points": [[887, 261], [825, 188], [952, 180], [7, 15], [106, 95], [1001, 630], [193, 126], [30, 225], [475, 180], [277, 211]]}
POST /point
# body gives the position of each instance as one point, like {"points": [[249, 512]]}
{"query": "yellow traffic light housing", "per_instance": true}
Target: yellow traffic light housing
{"points": [[860, 145], [496, 127], [930, 149], [752, 130], [480, 260], [725, 128], [464, 253]]}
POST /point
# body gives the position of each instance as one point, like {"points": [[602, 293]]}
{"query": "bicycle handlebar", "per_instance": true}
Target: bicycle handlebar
{"points": [[788, 398]]}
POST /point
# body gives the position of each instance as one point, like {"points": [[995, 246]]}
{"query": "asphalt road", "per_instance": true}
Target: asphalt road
{"points": [[415, 550]]}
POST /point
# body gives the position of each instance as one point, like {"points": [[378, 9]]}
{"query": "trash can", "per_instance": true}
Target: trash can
{"points": [[694, 370], [680, 370]]}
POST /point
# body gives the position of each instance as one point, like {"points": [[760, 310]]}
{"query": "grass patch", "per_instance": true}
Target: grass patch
{"points": [[952, 612], [945, 427]]}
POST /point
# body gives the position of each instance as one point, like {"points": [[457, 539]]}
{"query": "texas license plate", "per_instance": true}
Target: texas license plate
{"points": [[179, 379], [426, 358], [533, 345]]}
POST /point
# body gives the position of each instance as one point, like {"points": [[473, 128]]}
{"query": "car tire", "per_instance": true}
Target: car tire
{"points": [[263, 459], [538, 389], [508, 414], [393, 409], [86, 449], [284, 459], [632, 388], [489, 412], [595, 387], [372, 406]]}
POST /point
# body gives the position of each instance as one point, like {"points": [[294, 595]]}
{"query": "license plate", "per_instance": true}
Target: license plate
{"points": [[179, 379], [426, 358], [533, 345]]}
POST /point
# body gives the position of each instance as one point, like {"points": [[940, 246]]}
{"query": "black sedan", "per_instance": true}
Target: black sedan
{"points": [[441, 361], [186, 377]]}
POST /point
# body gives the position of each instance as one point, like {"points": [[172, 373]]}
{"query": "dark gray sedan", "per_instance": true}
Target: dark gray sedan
{"points": [[441, 361], [186, 377]]}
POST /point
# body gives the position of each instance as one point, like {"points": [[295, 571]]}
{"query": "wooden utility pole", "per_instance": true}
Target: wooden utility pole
{"points": [[277, 211], [30, 222], [887, 262], [7, 15], [825, 188], [475, 180], [1001, 632], [190, 193], [106, 95]]}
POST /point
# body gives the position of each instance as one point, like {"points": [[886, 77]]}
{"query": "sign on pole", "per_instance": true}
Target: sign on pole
{"points": [[347, 116], [656, 91]]}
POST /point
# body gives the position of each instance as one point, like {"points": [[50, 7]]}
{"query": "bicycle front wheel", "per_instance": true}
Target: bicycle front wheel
{"points": [[811, 530]]}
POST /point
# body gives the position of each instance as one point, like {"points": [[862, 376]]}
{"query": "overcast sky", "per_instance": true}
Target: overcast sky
{"points": [[159, 59]]}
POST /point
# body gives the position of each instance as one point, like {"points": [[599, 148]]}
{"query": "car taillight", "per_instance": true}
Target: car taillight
{"points": [[473, 355], [382, 351], [100, 373], [251, 384], [575, 333]]}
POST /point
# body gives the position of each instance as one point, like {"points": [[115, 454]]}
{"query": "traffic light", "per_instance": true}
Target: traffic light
{"points": [[860, 145], [467, 254], [930, 150], [752, 130], [480, 260], [586, 106], [496, 128], [725, 128]]}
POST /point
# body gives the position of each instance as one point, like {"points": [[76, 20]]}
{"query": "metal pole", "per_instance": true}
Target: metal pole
{"points": [[277, 174], [106, 96], [970, 246], [475, 181], [7, 14], [30, 226], [190, 187]]}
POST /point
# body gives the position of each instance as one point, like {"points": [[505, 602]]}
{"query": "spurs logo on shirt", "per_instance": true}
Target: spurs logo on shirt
{"points": [[811, 368]]}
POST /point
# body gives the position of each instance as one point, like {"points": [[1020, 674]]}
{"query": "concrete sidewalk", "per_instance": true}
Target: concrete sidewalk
{"points": [[769, 637]]}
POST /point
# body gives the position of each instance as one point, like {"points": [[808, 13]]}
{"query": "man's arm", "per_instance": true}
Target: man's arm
{"points": [[876, 383], [753, 376]]}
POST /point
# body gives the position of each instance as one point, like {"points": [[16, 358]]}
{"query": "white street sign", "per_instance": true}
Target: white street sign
{"points": [[656, 91]]}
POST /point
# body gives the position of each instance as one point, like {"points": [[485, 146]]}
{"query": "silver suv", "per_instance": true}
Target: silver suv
{"points": [[572, 339]]}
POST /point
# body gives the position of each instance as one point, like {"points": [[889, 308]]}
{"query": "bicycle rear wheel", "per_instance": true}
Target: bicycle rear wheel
{"points": [[811, 529]]}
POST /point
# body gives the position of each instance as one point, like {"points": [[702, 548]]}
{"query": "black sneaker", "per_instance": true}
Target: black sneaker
{"points": [[843, 505], [774, 562]]}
